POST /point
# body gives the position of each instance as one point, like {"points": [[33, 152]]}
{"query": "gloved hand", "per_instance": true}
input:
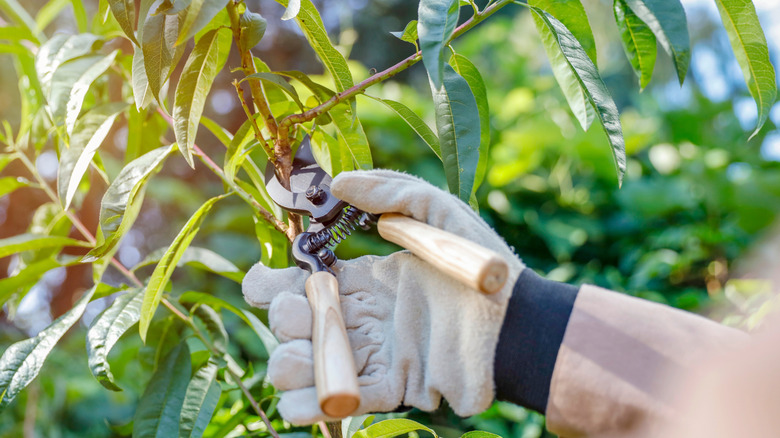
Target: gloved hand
{"points": [[416, 334]]}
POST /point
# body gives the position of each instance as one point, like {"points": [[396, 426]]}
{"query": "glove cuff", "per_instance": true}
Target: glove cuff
{"points": [[530, 337]]}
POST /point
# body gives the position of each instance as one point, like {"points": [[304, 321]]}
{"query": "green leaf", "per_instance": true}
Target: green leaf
{"points": [[264, 333], [749, 45], [70, 84], [638, 42], [9, 184], [158, 411], [391, 428], [415, 122], [321, 92], [198, 15], [5, 159], [436, 21], [16, 13], [333, 157], [409, 33], [200, 401], [125, 191], [124, 12], [49, 11], [141, 92], [194, 85], [30, 274], [222, 134], [59, 49], [458, 125], [293, 7], [200, 258], [594, 87], [566, 76], [666, 18], [28, 242], [164, 269], [16, 34], [351, 133], [105, 331], [239, 148], [193, 297], [22, 361], [350, 425], [88, 135], [80, 14], [157, 45], [479, 434], [214, 326], [469, 72], [311, 24], [253, 27], [573, 16], [277, 81]]}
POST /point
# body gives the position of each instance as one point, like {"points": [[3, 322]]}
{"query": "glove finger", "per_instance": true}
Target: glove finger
{"points": [[290, 317], [300, 407], [261, 284], [291, 366], [386, 191]]}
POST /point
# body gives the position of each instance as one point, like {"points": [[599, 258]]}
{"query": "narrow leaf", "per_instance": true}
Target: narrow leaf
{"points": [[264, 333], [198, 14], [124, 12], [22, 361], [749, 45], [70, 84], [88, 135], [293, 7], [9, 184], [30, 275], [159, 33], [415, 122], [409, 34], [162, 273], [666, 18], [217, 303], [214, 326], [594, 88], [200, 401], [158, 411], [638, 42], [124, 191], [106, 330], [194, 85], [141, 93], [277, 81], [469, 72], [436, 21], [479, 434], [351, 133], [13, 10], [200, 258], [565, 76], [392, 428], [28, 242], [311, 24], [458, 125], [58, 49], [573, 16]]}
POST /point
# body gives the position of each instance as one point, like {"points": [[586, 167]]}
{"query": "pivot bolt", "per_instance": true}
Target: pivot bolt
{"points": [[315, 194]]}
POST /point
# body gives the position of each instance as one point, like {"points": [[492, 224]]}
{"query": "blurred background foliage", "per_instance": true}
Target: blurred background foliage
{"points": [[696, 196]]}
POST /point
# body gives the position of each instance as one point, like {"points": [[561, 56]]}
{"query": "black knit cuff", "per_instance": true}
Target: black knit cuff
{"points": [[530, 338]]}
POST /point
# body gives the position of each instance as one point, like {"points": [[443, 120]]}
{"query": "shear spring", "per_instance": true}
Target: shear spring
{"points": [[337, 232]]}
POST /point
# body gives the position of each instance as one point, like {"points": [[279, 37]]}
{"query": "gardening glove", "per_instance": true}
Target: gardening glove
{"points": [[416, 334]]}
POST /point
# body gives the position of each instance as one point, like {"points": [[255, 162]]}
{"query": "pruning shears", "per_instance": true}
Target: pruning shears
{"points": [[333, 220]]}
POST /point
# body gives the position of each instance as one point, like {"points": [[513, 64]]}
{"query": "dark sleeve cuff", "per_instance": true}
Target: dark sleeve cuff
{"points": [[530, 338]]}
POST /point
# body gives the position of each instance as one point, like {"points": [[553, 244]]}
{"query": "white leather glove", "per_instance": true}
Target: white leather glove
{"points": [[416, 334]]}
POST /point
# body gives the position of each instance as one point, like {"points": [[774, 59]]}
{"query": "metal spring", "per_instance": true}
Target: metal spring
{"points": [[337, 232]]}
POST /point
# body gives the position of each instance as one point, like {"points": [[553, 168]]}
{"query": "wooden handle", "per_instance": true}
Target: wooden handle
{"points": [[459, 258], [334, 366]]}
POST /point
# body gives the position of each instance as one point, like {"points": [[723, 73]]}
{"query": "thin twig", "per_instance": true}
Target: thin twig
{"points": [[251, 118]]}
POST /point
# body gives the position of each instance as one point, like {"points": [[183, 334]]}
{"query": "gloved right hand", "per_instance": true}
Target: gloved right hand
{"points": [[416, 334]]}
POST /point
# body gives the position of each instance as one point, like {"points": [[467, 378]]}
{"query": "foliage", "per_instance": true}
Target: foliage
{"points": [[196, 369]]}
